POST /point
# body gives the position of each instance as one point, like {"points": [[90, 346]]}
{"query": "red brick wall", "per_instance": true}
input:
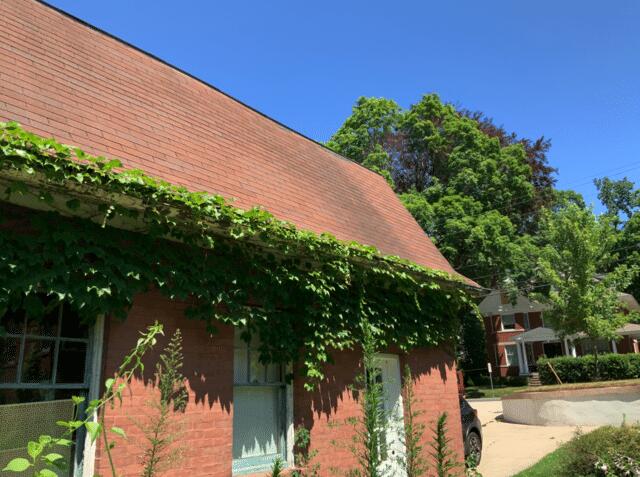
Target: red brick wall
{"points": [[208, 365], [207, 439], [325, 410]]}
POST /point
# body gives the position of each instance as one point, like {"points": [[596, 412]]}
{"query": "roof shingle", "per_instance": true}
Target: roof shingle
{"points": [[65, 79]]}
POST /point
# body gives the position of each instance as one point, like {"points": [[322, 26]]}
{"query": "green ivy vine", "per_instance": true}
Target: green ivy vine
{"points": [[117, 233]]}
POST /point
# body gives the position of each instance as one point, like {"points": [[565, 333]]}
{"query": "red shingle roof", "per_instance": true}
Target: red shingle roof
{"points": [[62, 78]]}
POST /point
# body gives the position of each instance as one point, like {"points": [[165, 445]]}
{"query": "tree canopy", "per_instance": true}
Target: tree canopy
{"points": [[487, 198], [474, 188], [577, 265]]}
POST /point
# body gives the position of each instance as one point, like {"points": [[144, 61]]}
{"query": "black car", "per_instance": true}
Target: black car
{"points": [[471, 431]]}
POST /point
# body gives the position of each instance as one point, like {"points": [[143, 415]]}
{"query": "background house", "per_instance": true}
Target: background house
{"points": [[517, 335], [63, 78]]}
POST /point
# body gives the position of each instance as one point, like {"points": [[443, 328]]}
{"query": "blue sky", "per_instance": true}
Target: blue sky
{"points": [[567, 69]]}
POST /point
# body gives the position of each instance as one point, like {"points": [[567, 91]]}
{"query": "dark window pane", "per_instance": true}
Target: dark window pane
{"points": [[13, 322], [71, 361], [71, 325], [9, 348], [38, 361], [45, 325]]}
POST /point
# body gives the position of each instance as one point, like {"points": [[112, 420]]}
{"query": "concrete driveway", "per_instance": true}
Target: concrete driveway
{"points": [[509, 448]]}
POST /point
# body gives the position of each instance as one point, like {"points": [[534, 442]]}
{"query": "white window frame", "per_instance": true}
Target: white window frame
{"points": [[502, 327], [508, 363], [288, 431], [83, 464]]}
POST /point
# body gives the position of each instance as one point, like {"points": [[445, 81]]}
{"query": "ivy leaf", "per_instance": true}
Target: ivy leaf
{"points": [[119, 431], [34, 449], [18, 464], [53, 457], [93, 428], [47, 473]]}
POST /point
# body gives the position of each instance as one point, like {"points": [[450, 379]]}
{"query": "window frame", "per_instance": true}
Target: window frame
{"points": [[57, 340], [507, 362], [285, 398], [502, 327], [85, 449]]}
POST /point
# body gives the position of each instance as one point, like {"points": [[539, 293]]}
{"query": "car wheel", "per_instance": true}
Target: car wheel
{"points": [[473, 444]]}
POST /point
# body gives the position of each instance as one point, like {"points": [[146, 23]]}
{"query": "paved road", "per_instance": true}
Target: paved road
{"points": [[510, 448]]}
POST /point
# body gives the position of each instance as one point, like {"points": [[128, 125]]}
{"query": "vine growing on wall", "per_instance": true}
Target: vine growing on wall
{"points": [[106, 234]]}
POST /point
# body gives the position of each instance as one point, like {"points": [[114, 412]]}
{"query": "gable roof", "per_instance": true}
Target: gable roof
{"points": [[63, 78]]}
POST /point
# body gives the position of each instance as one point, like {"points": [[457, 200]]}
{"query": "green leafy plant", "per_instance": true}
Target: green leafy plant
{"points": [[199, 246], [305, 467], [369, 444], [471, 466], [277, 468], [413, 461], [582, 369], [612, 446], [161, 430], [42, 458], [444, 458]]}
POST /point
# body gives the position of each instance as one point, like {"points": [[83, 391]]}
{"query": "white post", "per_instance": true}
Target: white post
{"points": [[567, 349], [574, 353], [95, 385], [614, 346], [520, 361], [524, 356]]}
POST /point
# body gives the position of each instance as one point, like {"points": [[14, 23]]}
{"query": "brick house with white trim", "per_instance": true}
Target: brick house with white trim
{"points": [[517, 335]]}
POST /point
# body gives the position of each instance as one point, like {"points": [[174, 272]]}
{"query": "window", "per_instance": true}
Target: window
{"points": [[508, 322], [43, 362], [259, 410], [525, 321], [511, 355]]}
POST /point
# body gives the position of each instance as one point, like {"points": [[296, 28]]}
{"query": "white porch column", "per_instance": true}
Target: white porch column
{"points": [[614, 346], [520, 361], [567, 350], [574, 353], [524, 356]]}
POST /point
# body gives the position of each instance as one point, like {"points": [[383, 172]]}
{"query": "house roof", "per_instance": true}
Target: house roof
{"points": [[63, 78]]}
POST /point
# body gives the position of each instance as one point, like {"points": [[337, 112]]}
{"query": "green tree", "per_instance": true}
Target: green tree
{"points": [[576, 265], [622, 200], [472, 189], [620, 197]]}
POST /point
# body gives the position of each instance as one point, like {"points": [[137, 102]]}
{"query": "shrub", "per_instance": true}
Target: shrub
{"points": [[583, 369], [586, 452]]}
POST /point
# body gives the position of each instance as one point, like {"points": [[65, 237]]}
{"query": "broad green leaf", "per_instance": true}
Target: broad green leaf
{"points": [[93, 428], [47, 473], [119, 431], [18, 464], [53, 457], [34, 449]]}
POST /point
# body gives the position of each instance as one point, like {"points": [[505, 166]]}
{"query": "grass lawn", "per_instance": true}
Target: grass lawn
{"points": [[548, 466], [472, 392]]}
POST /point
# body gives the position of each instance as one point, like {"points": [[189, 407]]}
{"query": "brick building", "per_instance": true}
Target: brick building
{"points": [[516, 335], [63, 78]]}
